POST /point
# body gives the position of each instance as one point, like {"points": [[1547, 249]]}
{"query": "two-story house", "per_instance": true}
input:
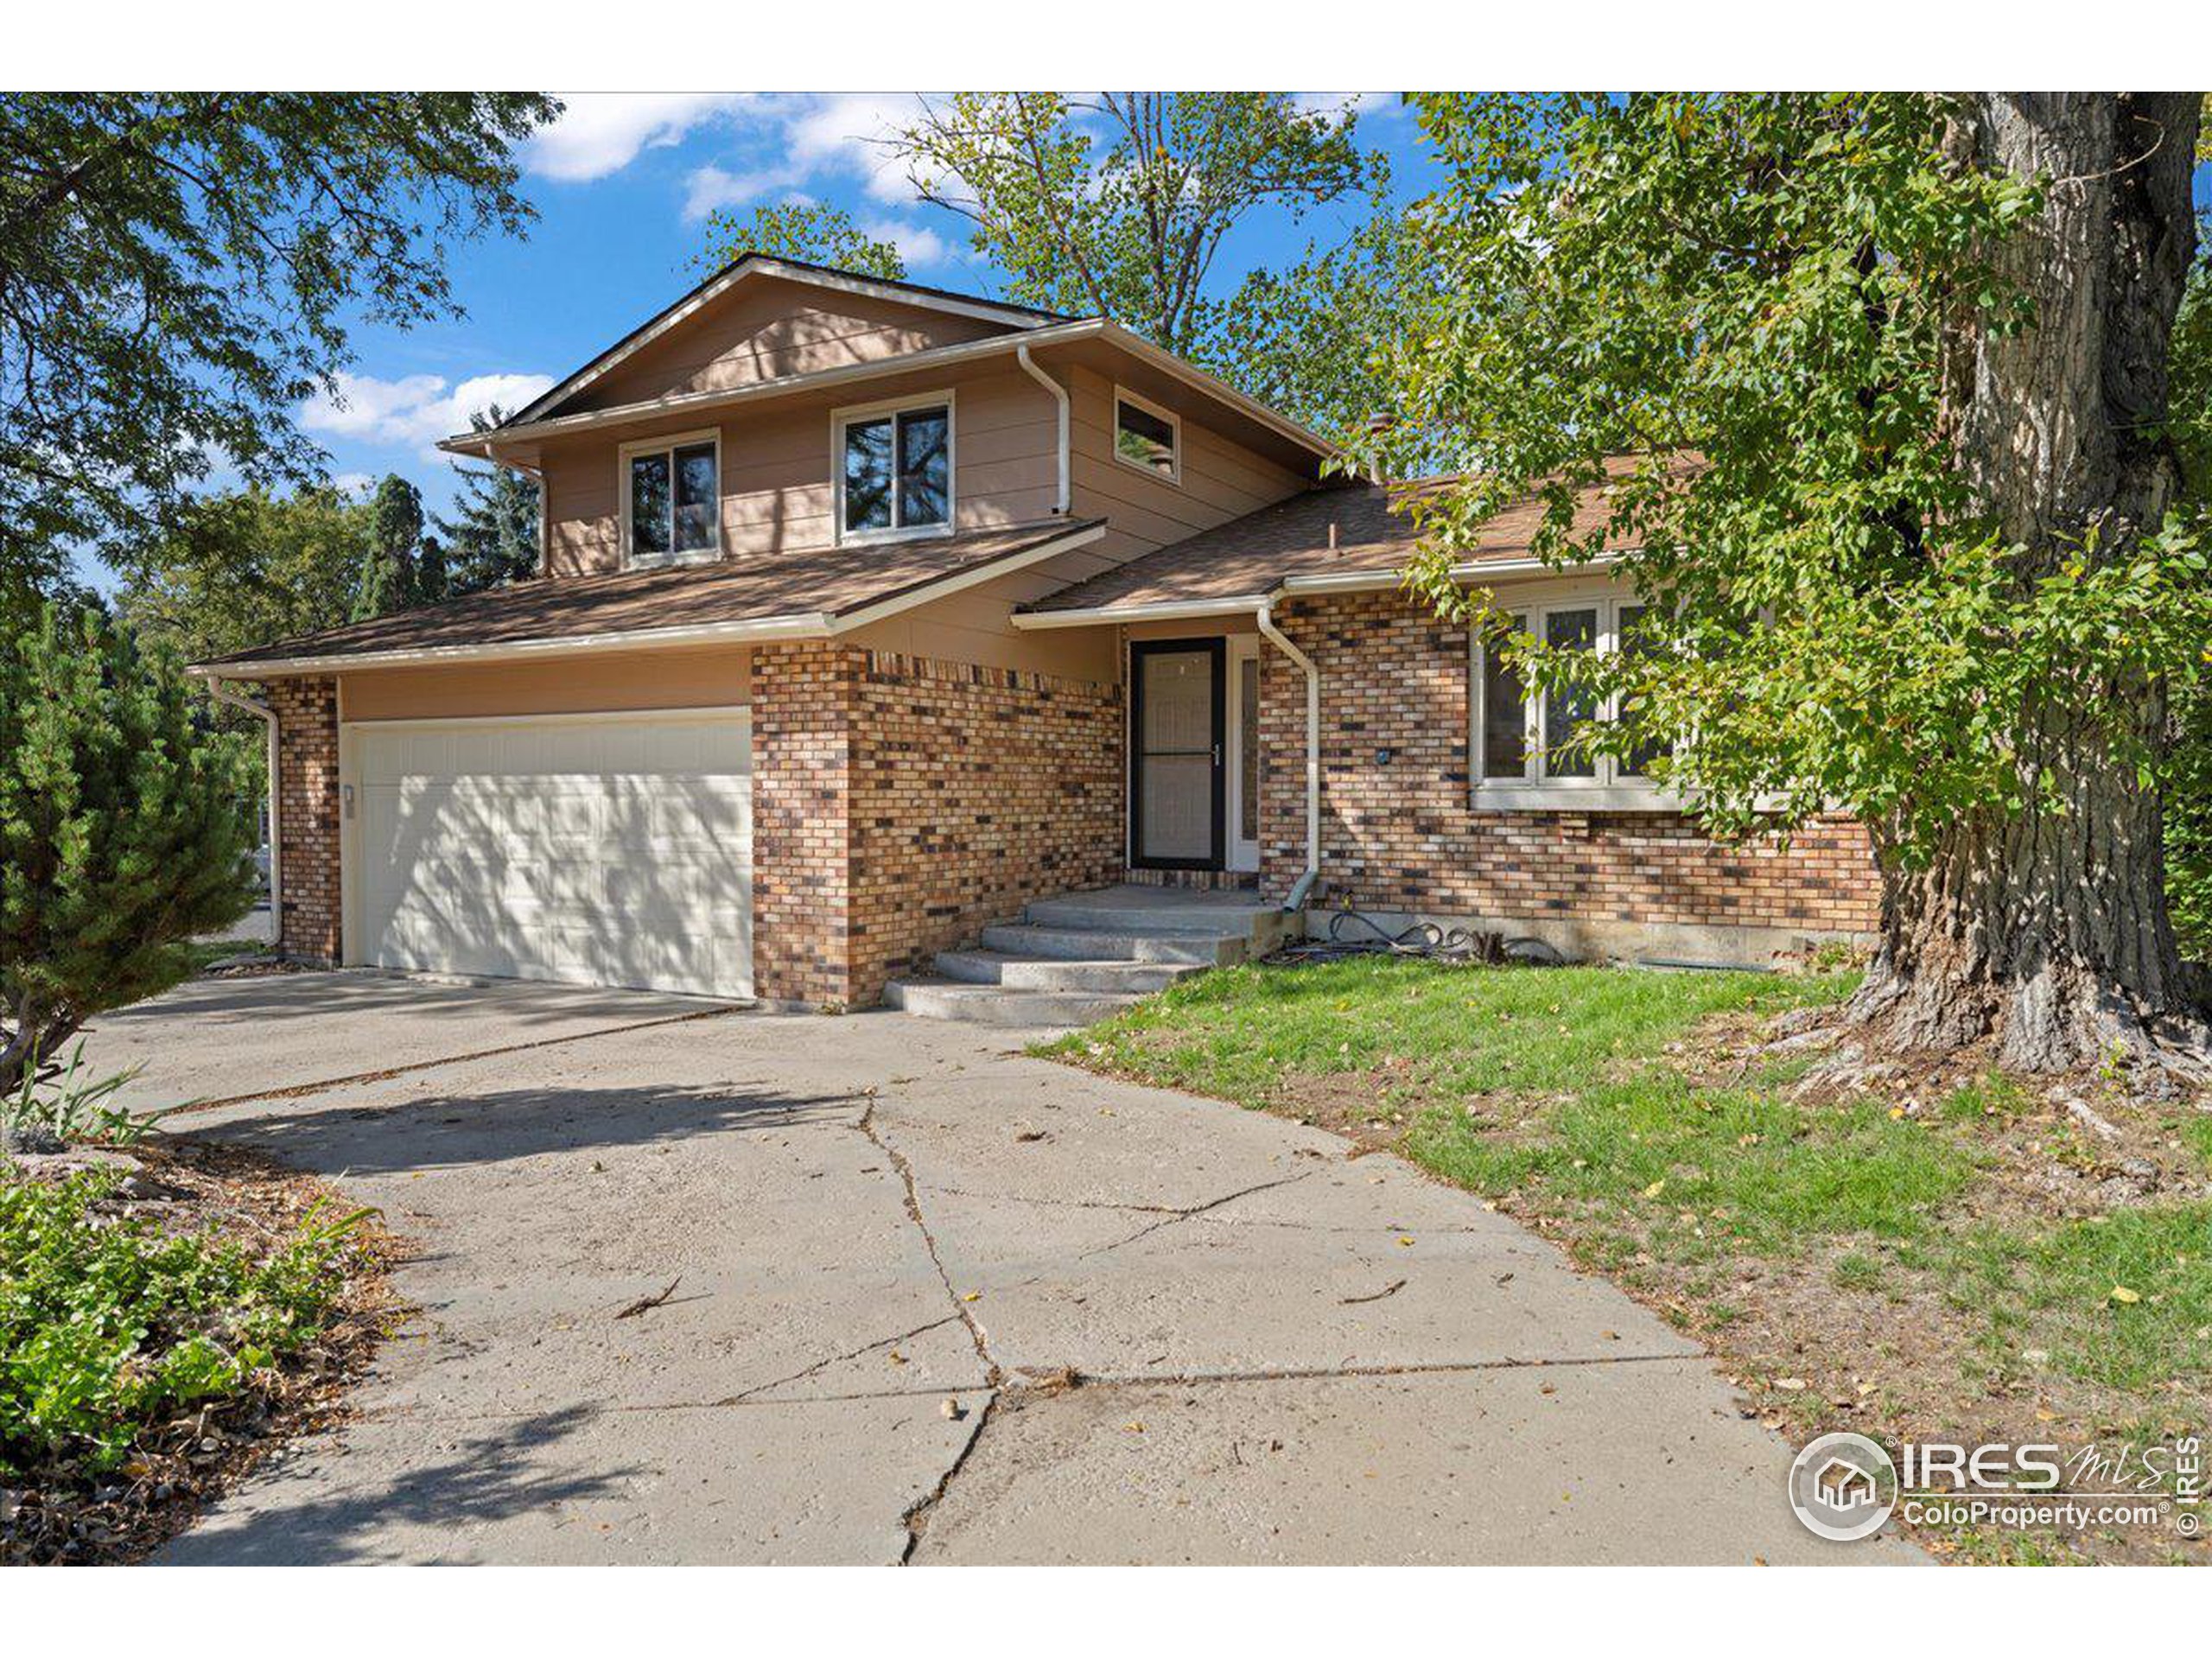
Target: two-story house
{"points": [[871, 613]]}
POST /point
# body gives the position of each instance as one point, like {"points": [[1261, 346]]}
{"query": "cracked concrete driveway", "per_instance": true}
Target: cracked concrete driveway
{"points": [[896, 1244]]}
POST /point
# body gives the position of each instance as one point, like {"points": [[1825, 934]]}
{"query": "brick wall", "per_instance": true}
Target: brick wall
{"points": [[1400, 835], [803, 700], [975, 789], [900, 803], [307, 810]]}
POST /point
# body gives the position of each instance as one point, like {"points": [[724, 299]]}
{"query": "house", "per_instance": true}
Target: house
{"points": [[871, 613]]}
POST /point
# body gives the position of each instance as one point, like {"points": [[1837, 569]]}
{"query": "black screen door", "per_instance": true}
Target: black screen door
{"points": [[1177, 782]]}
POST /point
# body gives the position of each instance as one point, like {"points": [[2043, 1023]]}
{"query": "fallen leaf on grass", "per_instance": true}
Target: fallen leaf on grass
{"points": [[2121, 1293]]}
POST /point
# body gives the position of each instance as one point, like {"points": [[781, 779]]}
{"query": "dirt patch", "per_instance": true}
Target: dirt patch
{"points": [[59, 1516]]}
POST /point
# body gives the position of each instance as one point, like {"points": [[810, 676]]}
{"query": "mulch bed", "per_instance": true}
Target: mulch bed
{"points": [[59, 1516]]}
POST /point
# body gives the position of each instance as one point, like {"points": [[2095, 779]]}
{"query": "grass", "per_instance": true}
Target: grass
{"points": [[1946, 1261]]}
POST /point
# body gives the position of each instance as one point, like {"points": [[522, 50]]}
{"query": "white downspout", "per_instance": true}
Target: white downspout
{"points": [[1060, 396], [1282, 643], [222, 694]]}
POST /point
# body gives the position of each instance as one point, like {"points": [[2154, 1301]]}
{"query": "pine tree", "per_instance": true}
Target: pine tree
{"points": [[389, 579], [493, 529], [120, 835]]}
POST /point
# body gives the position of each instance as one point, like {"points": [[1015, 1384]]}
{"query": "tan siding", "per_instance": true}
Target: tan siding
{"points": [[971, 627], [764, 329], [777, 471], [715, 678]]}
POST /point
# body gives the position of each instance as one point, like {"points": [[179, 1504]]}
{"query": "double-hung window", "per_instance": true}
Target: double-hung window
{"points": [[1521, 738], [894, 470], [672, 499]]}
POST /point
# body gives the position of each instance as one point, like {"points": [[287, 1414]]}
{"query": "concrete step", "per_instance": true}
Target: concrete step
{"points": [[1027, 973], [1089, 913], [995, 1005], [1080, 944]]}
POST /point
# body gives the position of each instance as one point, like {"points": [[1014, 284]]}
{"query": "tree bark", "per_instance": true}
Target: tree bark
{"points": [[2047, 929]]}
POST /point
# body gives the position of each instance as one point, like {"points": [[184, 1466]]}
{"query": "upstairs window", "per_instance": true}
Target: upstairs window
{"points": [[895, 470], [1148, 437], [672, 499], [1521, 738]]}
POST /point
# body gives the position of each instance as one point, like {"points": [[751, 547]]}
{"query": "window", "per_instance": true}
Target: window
{"points": [[672, 499], [1521, 738], [1148, 437], [894, 470]]}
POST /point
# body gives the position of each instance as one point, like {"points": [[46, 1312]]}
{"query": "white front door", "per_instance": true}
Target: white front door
{"points": [[610, 849], [1243, 752]]}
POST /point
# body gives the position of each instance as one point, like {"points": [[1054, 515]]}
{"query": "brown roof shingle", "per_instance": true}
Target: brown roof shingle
{"points": [[1248, 557], [832, 581]]}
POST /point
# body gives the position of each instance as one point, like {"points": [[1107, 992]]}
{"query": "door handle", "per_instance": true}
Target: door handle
{"points": [[1217, 754]]}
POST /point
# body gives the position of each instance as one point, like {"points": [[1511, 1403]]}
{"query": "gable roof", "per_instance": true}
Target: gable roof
{"points": [[748, 265], [1357, 534], [822, 591]]}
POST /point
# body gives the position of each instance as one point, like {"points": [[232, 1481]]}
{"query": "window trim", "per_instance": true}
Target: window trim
{"points": [[842, 417], [1608, 790], [1124, 395], [667, 445]]}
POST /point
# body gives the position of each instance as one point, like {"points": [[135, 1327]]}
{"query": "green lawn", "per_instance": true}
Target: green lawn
{"points": [[1878, 1261]]}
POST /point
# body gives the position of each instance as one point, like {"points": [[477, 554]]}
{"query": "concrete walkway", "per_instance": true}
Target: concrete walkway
{"points": [[897, 1244]]}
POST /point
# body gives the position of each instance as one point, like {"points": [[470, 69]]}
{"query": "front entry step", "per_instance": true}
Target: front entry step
{"points": [[1084, 957]]}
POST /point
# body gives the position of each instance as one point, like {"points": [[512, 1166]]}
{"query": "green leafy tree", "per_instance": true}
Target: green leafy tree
{"points": [[245, 568], [1116, 204], [178, 270], [493, 533], [120, 838], [389, 578], [813, 232], [2189, 779], [1891, 372]]}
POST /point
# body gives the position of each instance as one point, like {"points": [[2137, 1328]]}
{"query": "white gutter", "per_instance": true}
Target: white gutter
{"points": [[221, 693], [1265, 616], [1171, 611], [799, 625], [482, 443], [1060, 396]]}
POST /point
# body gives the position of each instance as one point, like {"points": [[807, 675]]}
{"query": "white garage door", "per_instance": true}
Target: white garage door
{"points": [[609, 851]]}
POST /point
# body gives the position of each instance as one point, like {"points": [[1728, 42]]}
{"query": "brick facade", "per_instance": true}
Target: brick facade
{"points": [[307, 810], [1399, 833], [900, 803]]}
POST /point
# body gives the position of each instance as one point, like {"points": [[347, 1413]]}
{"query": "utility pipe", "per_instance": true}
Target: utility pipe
{"points": [[1269, 631], [1060, 396], [222, 693]]}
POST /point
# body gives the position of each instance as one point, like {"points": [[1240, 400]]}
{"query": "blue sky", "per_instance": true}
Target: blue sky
{"points": [[622, 184]]}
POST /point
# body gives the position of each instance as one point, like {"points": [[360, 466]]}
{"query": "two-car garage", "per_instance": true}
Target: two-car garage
{"points": [[600, 849]]}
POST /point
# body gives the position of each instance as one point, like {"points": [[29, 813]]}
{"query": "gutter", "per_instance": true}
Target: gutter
{"points": [[1265, 616], [1060, 396], [222, 693]]}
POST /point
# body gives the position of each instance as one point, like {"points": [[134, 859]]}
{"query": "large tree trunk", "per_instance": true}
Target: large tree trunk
{"points": [[2048, 929]]}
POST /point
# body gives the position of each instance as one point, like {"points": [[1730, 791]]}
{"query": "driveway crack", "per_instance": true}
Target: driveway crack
{"points": [[1175, 1217], [820, 1365], [992, 1374]]}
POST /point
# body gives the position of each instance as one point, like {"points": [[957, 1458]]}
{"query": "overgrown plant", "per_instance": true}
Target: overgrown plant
{"points": [[71, 1107], [1875, 384], [120, 840]]}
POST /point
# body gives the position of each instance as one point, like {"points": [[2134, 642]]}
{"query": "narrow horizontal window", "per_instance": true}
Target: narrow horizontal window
{"points": [[1147, 438]]}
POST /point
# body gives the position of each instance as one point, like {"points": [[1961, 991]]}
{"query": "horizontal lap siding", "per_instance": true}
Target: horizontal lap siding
{"points": [[1400, 835], [777, 481]]}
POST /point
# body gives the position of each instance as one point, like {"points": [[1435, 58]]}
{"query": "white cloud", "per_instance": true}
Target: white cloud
{"points": [[416, 410], [600, 133], [783, 143], [917, 245]]}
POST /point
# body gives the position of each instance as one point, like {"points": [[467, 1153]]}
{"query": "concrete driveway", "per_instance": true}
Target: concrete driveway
{"points": [[896, 1244]]}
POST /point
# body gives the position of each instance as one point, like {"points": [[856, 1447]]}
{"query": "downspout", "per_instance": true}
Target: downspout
{"points": [[222, 694], [1060, 396], [1281, 642]]}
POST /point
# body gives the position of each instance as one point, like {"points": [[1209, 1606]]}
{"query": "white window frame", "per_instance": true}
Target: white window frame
{"points": [[667, 446], [1608, 790], [840, 418], [1124, 395]]}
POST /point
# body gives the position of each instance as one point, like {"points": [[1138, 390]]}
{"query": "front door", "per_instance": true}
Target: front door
{"points": [[1177, 780]]}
